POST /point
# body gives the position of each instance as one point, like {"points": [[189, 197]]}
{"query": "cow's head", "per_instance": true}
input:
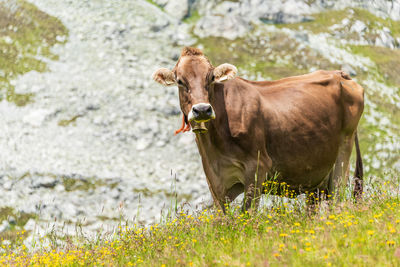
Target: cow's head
{"points": [[194, 75]]}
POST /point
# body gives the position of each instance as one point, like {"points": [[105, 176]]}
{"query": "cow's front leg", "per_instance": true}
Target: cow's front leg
{"points": [[252, 193], [251, 198], [222, 195], [218, 194], [254, 179]]}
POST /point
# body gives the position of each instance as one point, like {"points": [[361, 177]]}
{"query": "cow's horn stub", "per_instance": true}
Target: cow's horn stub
{"points": [[199, 127]]}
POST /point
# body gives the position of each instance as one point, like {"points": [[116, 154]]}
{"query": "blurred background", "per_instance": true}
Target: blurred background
{"points": [[86, 136]]}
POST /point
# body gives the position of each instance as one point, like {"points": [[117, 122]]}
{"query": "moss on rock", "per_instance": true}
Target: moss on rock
{"points": [[26, 36]]}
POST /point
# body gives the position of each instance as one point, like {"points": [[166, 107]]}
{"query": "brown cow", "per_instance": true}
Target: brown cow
{"points": [[301, 128]]}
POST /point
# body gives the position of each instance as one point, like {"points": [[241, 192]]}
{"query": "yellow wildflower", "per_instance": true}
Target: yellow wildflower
{"points": [[390, 242]]}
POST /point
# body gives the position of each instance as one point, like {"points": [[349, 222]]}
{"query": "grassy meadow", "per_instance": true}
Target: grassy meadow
{"points": [[282, 232]]}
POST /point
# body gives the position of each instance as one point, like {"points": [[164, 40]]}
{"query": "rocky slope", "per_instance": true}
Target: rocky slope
{"points": [[94, 146]]}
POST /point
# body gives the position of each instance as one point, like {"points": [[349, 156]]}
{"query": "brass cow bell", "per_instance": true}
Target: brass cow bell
{"points": [[199, 127]]}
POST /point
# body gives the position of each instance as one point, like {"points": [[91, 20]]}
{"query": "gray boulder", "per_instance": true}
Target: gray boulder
{"points": [[229, 27], [4, 226], [283, 18], [358, 27], [385, 39], [177, 8]]}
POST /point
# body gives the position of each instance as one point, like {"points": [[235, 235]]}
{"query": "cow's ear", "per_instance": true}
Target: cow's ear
{"points": [[224, 72], [164, 76]]}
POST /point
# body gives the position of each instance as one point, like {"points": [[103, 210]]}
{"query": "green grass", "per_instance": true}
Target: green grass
{"points": [[74, 184], [342, 234], [322, 21], [14, 233], [386, 59], [67, 122], [154, 4], [26, 34], [193, 18], [167, 193]]}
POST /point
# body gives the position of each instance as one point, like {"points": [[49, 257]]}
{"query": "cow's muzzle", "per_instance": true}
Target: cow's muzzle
{"points": [[201, 112]]}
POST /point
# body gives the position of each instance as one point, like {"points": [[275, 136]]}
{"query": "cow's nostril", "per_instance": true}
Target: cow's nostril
{"points": [[202, 112], [209, 111], [195, 111]]}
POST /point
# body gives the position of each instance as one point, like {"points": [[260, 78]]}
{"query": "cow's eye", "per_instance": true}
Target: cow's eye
{"points": [[210, 77], [181, 84]]}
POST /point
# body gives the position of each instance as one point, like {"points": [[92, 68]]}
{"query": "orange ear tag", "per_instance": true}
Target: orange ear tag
{"points": [[183, 128]]}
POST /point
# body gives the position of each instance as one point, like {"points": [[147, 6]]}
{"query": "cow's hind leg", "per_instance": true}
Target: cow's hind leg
{"points": [[341, 169], [330, 185]]}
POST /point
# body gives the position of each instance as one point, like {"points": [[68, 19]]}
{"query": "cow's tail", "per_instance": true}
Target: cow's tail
{"points": [[359, 172]]}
